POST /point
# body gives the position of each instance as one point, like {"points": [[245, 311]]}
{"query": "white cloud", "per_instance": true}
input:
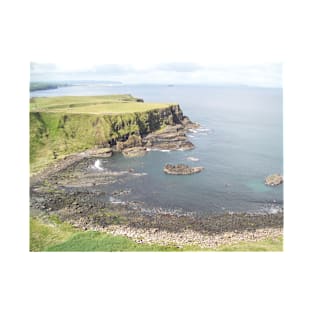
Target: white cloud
{"points": [[178, 73]]}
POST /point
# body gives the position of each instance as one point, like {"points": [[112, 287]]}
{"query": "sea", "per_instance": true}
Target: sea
{"points": [[239, 143]]}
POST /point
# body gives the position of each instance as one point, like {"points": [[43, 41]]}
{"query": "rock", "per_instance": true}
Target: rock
{"points": [[149, 143], [169, 138], [134, 152], [187, 123], [103, 152], [274, 180], [132, 141], [181, 169], [187, 145]]}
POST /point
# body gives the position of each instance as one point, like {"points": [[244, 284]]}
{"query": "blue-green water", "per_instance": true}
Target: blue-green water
{"points": [[239, 143]]}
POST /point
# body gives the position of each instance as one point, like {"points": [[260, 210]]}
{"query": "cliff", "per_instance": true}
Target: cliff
{"points": [[63, 125]]}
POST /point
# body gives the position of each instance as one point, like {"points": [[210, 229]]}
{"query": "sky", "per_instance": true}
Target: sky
{"points": [[238, 42], [264, 75]]}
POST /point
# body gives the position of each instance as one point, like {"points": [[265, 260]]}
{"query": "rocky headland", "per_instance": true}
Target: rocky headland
{"points": [[62, 126]]}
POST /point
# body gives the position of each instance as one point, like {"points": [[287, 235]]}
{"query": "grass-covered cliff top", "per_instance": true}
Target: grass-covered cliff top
{"points": [[109, 104], [60, 126]]}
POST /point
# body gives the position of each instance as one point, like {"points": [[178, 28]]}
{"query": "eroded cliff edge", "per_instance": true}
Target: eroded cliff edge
{"points": [[56, 131]]}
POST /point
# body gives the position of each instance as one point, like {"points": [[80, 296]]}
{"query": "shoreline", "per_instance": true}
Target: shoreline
{"points": [[81, 210], [144, 226], [190, 237]]}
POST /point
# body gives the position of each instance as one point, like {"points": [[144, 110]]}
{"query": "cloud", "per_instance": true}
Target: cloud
{"points": [[266, 75]]}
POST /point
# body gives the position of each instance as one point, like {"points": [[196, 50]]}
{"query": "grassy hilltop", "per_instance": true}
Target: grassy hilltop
{"points": [[63, 125]]}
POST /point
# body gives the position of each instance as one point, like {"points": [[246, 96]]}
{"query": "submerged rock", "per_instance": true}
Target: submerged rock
{"points": [[181, 169], [274, 180]]}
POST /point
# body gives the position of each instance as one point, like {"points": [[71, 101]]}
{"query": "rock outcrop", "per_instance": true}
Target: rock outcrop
{"points": [[169, 138], [102, 152], [132, 141], [181, 169], [134, 152], [273, 180], [188, 124]]}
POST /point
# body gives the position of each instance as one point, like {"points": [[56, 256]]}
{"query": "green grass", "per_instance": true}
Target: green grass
{"points": [[270, 245], [45, 235], [111, 104], [57, 236]]}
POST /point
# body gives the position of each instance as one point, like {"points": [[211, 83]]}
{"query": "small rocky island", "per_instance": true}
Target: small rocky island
{"points": [[274, 180], [181, 169]]}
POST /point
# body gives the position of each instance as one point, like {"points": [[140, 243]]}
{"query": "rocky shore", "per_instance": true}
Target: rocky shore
{"points": [[72, 195], [170, 137], [190, 237]]}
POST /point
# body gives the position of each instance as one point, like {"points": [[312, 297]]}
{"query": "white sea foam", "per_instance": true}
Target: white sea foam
{"points": [[193, 159], [139, 174], [97, 165], [116, 201]]}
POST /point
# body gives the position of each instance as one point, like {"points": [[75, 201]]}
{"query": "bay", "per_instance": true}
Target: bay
{"points": [[239, 143]]}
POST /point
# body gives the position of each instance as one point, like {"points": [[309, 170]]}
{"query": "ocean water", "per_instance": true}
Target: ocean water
{"points": [[239, 143]]}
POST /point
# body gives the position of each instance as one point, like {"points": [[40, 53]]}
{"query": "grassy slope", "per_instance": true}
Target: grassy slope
{"points": [[112, 104], [57, 236], [60, 126]]}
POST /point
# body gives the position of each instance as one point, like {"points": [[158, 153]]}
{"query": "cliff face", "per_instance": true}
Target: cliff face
{"points": [[57, 134]]}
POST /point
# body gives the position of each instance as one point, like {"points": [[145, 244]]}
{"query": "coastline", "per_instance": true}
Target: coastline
{"points": [[190, 238], [143, 226], [53, 195]]}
